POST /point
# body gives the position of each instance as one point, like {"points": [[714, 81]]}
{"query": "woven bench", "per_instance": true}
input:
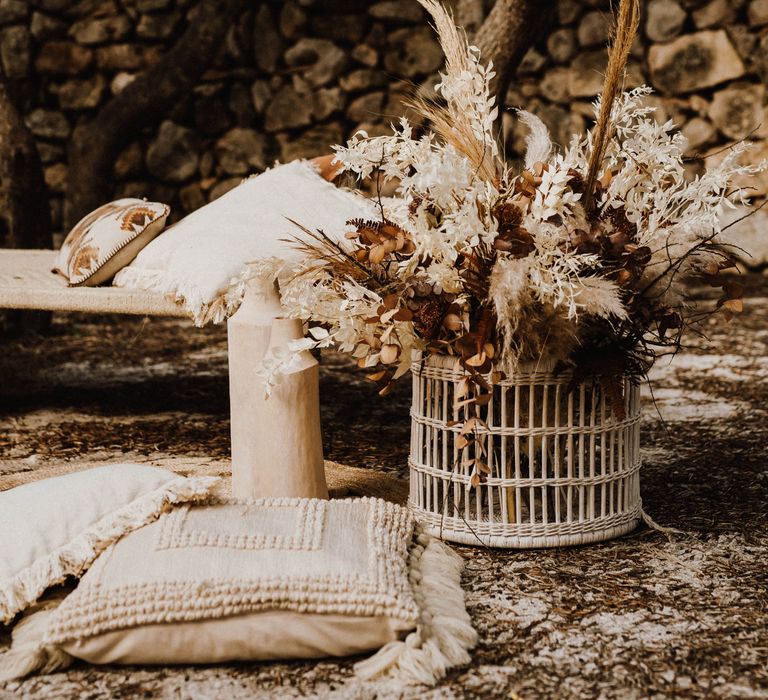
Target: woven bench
{"points": [[26, 282]]}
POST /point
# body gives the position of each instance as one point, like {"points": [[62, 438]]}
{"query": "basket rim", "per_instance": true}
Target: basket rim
{"points": [[442, 366], [445, 361], [619, 524]]}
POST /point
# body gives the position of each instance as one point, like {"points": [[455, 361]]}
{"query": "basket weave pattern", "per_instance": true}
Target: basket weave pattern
{"points": [[564, 469]]}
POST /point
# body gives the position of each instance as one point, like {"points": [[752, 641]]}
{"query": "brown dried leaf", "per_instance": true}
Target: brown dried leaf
{"points": [[403, 314], [483, 399], [476, 360], [376, 254], [452, 322], [733, 305], [462, 441], [390, 353]]}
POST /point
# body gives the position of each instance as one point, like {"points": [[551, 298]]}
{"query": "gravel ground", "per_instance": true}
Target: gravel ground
{"points": [[644, 616]]}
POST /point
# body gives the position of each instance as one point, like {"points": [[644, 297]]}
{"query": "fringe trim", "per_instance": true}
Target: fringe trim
{"points": [[200, 311], [74, 557], [157, 281], [651, 523], [444, 635], [28, 653]]}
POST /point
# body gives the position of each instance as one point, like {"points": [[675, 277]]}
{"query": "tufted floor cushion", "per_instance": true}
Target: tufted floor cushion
{"points": [[266, 579]]}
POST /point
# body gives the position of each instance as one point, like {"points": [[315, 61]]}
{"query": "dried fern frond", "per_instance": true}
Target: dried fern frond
{"points": [[318, 247]]}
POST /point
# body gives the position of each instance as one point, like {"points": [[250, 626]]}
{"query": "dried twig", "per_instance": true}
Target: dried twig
{"points": [[751, 212], [722, 149]]}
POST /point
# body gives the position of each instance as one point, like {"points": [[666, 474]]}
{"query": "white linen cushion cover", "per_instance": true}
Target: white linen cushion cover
{"points": [[266, 579], [54, 528], [200, 259], [107, 239]]}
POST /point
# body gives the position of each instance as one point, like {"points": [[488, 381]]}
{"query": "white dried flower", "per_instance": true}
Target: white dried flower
{"points": [[538, 142]]}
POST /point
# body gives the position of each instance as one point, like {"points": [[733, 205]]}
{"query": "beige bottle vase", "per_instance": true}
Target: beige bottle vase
{"points": [[276, 441]]}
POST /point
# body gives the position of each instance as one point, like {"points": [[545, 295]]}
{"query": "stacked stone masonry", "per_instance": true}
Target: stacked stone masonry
{"points": [[295, 77]]}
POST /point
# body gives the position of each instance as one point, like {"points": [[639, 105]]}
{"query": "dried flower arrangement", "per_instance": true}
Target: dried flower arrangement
{"points": [[580, 258]]}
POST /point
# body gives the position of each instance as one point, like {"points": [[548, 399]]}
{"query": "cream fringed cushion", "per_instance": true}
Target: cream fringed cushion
{"points": [[54, 528], [200, 260], [268, 579], [107, 239]]}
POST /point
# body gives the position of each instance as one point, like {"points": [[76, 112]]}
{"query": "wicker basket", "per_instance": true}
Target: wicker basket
{"points": [[564, 470]]}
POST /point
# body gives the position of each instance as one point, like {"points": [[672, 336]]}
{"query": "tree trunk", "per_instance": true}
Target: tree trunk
{"points": [[95, 144], [469, 14], [510, 29], [25, 220]]}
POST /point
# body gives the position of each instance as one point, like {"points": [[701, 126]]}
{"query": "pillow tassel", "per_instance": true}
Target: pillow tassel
{"points": [[445, 633], [28, 652]]}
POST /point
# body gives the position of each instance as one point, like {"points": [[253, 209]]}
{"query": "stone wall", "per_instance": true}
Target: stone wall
{"points": [[707, 60], [294, 77]]}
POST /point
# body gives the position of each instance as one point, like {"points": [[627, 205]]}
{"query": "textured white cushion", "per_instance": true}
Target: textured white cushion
{"points": [[207, 562], [56, 527], [107, 239], [199, 259], [265, 579]]}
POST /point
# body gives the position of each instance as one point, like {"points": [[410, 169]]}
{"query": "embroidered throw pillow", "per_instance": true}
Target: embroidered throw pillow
{"points": [[199, 260], [56, 527], [267, 579], [107, 239]]}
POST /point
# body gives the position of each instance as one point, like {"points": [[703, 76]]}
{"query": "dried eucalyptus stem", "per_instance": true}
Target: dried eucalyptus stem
{"points": [[626, 29]]}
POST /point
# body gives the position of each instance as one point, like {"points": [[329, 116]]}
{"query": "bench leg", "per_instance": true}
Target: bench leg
{"points": [[276, 441]]}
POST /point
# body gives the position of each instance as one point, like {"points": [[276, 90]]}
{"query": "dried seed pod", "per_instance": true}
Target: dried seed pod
{"points": [[428, 316], [507, 214]]}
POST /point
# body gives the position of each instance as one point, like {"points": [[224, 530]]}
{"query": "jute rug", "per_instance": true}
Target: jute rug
{"points": [[343, 481]]}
